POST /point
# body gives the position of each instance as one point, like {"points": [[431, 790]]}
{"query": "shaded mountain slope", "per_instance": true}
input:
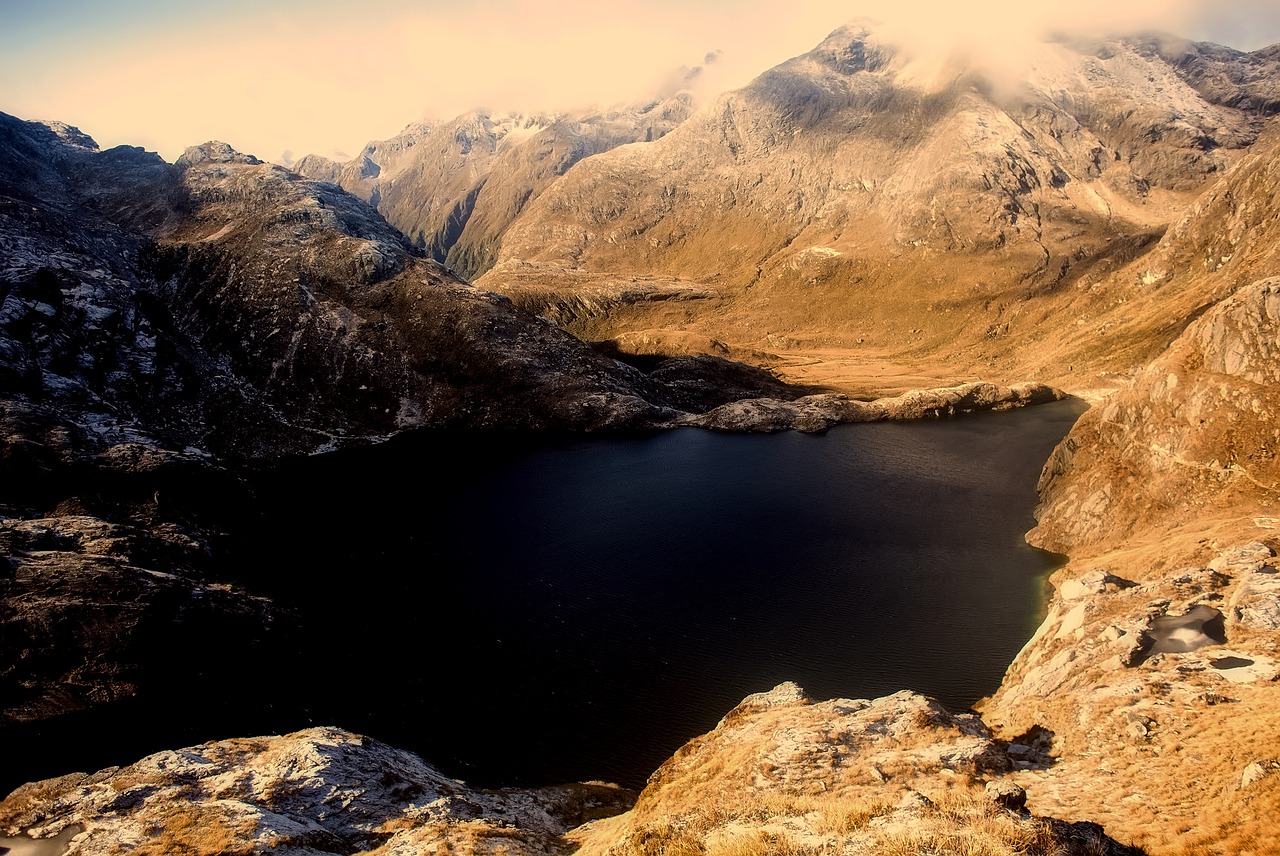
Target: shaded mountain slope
{"points": [[162, 325], [1228, 238], [249, 312]]}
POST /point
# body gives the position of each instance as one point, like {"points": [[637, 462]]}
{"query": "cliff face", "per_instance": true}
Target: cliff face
{"points": [[1193, 437]]}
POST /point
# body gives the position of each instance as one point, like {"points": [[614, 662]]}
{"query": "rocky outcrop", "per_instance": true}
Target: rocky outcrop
{"points": [[783, 774], [1154, 678], [320, 791], [778, 774], [820, 412], [91, 610], [1194, 433]]}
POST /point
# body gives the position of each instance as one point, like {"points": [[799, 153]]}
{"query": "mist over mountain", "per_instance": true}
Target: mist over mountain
{"points": [[862, 194], [843, 196]]}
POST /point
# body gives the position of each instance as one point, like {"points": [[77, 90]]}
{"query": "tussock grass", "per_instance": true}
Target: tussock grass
{"points": [[958, 820], [760, 844], [198, 830]]}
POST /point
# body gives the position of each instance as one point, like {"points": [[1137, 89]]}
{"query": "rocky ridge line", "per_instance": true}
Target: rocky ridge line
{"points": [[853, 776]]}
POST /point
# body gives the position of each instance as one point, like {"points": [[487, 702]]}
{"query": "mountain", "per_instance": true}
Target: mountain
{"points": [[150, 297], [455, 187], [860, 195]]}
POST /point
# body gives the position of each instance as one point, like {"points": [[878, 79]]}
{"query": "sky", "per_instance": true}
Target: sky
{"points": [[282, 78]]}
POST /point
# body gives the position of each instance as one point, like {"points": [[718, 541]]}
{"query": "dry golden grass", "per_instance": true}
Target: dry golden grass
{"points": [[759, 843], [964, 822], [959, 820], [659, 840], [189, 830], [842, 815]]}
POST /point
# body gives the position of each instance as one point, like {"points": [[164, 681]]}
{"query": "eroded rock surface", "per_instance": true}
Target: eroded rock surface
{"points": [[778, 774], [1195, 430], [316, 792]]}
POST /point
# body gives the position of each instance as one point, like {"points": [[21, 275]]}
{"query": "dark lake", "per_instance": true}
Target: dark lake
{"points": [[530, 613]]}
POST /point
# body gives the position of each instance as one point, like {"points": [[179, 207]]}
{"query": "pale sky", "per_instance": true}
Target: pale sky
{"points": [[326, 76]]}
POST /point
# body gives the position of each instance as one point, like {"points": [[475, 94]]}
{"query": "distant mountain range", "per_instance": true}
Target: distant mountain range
{"points": [[852, 195]]}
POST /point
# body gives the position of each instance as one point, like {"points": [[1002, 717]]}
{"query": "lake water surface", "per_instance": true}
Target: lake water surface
{"points": [[529, 614]]}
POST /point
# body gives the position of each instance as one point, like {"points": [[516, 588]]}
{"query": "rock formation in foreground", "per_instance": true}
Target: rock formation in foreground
{"points": [[779, 774]]}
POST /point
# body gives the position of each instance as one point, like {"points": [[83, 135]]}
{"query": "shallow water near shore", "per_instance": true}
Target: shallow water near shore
{"points": [[527, 613]]}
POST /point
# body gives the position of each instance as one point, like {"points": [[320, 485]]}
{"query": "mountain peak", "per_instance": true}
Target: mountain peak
{"points": [[70, 134], [213, 151]]}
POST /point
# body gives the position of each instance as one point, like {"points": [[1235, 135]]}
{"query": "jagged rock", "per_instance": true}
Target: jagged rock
{"points": [[1095, 582], [318, 791], [1189, 437], [1084, 837], [1256, 771], [213, 152], [1006, 794]]}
